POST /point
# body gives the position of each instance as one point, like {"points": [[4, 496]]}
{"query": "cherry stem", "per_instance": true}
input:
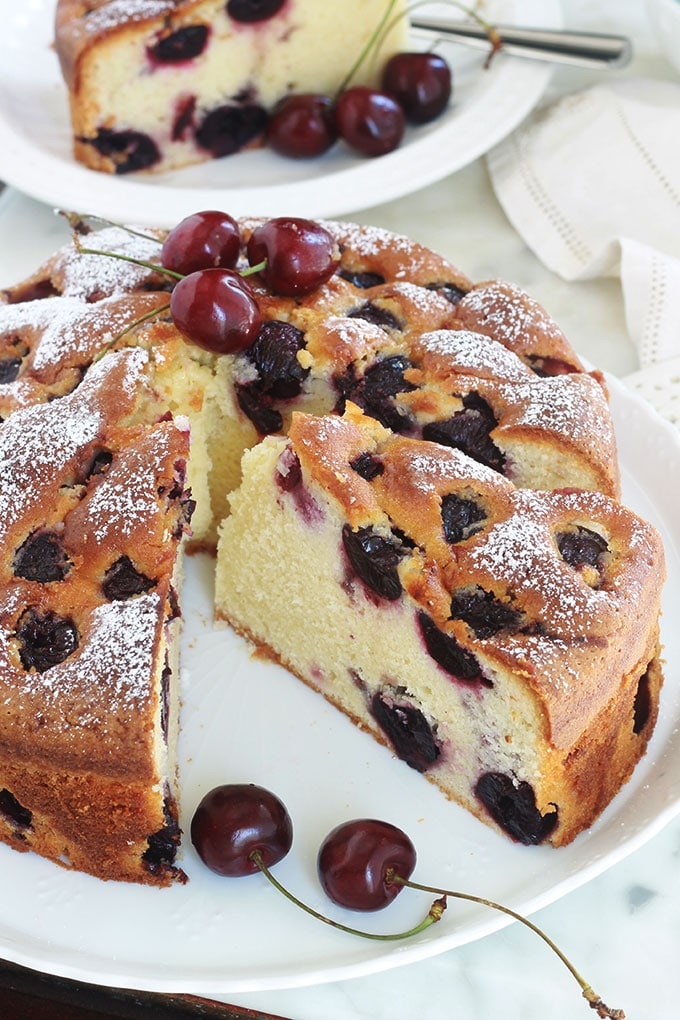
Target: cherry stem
{"points": [[77, 224], [137, 322], [153, 266], [434, 914], [591, 997], [251, 270], [492, 32], [128, 258], [373, 39]]}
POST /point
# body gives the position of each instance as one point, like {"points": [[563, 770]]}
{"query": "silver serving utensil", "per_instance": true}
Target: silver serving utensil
{"points": [[580, 49]]}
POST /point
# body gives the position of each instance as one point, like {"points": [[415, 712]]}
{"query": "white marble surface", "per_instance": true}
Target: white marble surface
{"points": [[622, 929]]}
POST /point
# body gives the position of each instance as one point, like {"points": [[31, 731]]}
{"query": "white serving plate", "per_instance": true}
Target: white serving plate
{"points": [[246, 720]]}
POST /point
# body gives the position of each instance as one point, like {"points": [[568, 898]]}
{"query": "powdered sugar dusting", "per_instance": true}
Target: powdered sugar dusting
{"points": [[85, 275], [66, 326], [123, 503], [521, 553], [36, 443], [112, 14], [571, 405], [508, 311], [117, 659], [429, 468], [474, 353]]}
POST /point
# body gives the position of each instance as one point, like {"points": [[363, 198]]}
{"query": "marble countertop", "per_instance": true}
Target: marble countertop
{"points": [[622, 929]]}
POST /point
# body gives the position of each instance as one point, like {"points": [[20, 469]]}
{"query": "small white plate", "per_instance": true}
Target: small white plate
{"points": [[35, 138]]}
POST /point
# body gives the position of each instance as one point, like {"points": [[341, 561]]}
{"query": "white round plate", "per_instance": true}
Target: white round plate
{"points": [[245, 720], [35, 139]]}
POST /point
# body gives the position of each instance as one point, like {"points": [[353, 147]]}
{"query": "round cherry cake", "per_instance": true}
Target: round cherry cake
{"points": [[434, 469]]}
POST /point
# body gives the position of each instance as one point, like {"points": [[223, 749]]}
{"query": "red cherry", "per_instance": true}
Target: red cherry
{"points": [[354, 859], [300, 255], [370, 121], [234, 820], [204, 240], [216, 309], [301, 126], [421, 84]]}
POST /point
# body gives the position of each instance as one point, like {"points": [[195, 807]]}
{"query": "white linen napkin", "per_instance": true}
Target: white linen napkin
{"points": [[592, 184]]}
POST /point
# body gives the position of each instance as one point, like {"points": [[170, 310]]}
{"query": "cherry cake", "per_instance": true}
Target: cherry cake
{"points": [[159, 84], [501, 641], [416, 468]]}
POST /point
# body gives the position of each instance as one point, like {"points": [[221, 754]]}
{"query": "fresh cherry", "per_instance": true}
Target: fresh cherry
{"points": [[204, 240], [235, 821], [240, 829], [370, 121], [216, 310], [420, 82], [354, 861], [300, 254], [301, 126]]}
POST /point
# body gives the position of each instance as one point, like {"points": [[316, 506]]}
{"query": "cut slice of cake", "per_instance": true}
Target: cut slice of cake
{"points": [[158, 84], [93, 512], [504, 642]]}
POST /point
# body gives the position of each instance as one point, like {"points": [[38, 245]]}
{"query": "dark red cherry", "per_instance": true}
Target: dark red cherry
{"points": [[301, 126], [204, 240], [421, 84], [129, 150], [370, 121], [179, 46], [300, 254], [234, 820], [216, 309], [249, 11], [354, 860]]}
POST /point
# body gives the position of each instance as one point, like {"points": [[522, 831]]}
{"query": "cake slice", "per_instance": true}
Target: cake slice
{"points": [[94, 508], [503, 642], [158, 84]]}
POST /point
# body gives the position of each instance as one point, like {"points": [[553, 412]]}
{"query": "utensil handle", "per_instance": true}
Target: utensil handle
{"points": [[583, 49]]}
